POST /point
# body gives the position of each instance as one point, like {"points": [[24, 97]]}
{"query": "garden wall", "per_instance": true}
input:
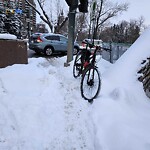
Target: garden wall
{"points": [[13, 52]]}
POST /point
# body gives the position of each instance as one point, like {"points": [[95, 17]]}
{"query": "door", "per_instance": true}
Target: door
{"points": [[63, 43]]}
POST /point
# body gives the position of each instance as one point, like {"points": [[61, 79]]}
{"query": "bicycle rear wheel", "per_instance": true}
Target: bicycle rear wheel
{"points": [[90, 83], [77, 66]]}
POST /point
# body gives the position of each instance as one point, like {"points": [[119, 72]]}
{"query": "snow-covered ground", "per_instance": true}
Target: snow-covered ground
{"points": [[41, 107]]}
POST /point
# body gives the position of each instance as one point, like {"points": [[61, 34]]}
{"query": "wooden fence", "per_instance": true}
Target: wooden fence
{"points": [[145, 76]]}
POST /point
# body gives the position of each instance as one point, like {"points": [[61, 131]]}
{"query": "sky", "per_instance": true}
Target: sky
{"points": [[137, 8], [41, 107]]}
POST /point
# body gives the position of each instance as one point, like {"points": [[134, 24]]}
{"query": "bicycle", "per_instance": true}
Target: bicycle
{"points": [[85, 66]]}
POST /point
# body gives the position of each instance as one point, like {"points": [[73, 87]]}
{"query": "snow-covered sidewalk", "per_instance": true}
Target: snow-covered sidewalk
{"points": [[41, 107]]}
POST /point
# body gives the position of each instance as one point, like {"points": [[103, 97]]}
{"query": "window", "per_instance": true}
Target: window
{"points": [[63, 39], [52, 37]]}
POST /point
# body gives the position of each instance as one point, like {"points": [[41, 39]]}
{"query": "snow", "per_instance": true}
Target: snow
{"points": [[7, 36], [41, 107]]}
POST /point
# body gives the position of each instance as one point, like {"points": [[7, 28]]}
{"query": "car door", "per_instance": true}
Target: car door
{"points": [[53, 40], [63, 43]]}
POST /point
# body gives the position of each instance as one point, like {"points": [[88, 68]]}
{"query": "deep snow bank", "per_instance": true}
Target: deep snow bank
{"points": [[130, 62], [121, 113]]}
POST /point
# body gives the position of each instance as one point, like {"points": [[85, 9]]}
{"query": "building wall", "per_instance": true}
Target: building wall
{"points": [[29, 15]]}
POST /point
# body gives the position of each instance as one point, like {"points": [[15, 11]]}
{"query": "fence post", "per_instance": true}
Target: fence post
{"points": [[118, 54], [111, 53]]}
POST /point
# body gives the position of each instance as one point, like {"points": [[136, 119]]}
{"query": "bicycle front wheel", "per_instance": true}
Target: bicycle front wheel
{"points": [[90, 83]]}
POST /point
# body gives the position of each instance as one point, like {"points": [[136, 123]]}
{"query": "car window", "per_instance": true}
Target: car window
{"points": [[63, 39], [53, 37]]}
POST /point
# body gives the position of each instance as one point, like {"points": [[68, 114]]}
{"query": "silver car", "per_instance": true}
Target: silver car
{"points": [[48, 43]]}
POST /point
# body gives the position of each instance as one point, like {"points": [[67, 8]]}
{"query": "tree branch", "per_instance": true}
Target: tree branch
{"points": [[45, 20]]}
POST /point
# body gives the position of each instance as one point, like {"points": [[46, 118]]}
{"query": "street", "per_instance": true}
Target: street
{"points": [[32, 54]]}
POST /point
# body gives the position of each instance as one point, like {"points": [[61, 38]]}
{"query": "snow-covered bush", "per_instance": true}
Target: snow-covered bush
{"points": [[10, 24]]}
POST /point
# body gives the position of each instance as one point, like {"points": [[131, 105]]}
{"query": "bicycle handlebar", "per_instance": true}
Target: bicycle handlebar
{"points": [[91, 45]]}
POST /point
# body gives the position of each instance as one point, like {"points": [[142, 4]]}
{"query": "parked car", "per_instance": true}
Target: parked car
{"points": [[49, 43], [97, 42]]}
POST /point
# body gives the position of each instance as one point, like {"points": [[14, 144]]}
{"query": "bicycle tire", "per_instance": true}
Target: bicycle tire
{"points": [[77, 66], [88, 84]]}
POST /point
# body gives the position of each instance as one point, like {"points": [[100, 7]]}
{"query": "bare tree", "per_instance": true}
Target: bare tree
{"points": [[104, 11], [55, 26], [124, 32], [81, 26]]}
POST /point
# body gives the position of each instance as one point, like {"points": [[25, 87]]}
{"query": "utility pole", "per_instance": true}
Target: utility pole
{"points": [[71, 27], [73, 5]]}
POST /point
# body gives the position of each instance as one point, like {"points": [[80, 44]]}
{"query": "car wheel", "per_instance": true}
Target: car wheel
{"points": [[75, 50], [48, 51]]}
